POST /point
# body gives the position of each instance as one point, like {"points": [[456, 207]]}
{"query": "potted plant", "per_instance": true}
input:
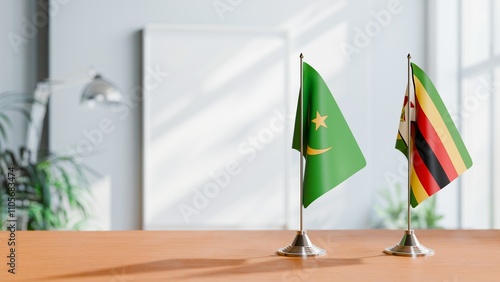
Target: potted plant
{"points": [[393, 213], [50, 193]]}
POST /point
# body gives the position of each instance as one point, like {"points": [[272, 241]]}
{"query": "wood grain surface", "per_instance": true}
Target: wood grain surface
{"points": [[353, 255]]}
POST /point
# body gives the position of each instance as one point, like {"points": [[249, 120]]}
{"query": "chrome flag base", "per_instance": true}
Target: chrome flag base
{"points": [[301, 247], [409, 247]]}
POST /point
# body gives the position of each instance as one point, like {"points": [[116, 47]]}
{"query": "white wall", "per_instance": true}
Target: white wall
{"points": [[18, 58], [368, 86]]}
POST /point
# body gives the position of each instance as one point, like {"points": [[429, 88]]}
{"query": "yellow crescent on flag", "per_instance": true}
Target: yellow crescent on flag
{"points": [[312, 152]]}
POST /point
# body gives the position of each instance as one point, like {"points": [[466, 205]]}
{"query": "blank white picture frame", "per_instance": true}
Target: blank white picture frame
{"points": [[214, 140]]}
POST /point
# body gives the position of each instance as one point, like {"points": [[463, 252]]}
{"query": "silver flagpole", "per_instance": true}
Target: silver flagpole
{"points": [[301, 245], [409, 245], [409, 150], [301, 185]]}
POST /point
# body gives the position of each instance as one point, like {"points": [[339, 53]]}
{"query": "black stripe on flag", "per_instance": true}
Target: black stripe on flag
{"points": [[429, 158]]}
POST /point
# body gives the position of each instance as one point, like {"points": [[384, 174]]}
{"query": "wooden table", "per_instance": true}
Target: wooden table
{"points": [[354, 255]]}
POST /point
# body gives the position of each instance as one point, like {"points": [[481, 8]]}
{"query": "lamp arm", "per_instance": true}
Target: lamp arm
{"points": [[38, 110], [57, 84], [42, 94]]}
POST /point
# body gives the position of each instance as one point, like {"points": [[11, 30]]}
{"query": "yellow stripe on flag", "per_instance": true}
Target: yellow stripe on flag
{"points": [[417, 188], [437, 122]]}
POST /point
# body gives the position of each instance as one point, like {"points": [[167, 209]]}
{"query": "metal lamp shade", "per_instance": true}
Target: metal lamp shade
{"points": [[101, 90]]}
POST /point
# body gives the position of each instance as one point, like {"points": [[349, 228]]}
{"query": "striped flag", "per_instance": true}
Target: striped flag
{"points": [[438, 152]]}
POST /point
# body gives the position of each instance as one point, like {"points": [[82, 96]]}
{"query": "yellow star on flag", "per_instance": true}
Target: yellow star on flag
{"points": [[320, 120]]}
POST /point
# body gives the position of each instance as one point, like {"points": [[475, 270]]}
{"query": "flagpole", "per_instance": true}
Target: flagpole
{"points": [[301, 206], [409, 246], [301, 245], [408, 108]]}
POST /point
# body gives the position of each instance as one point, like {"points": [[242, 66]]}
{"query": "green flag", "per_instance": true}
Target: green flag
{"points": [[331, 152]]}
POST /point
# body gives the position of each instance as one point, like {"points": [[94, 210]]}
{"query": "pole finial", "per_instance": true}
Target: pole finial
{"points": [[301, 56], [409, 56]]}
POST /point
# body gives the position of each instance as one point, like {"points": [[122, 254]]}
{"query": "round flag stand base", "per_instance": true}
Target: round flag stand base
{"points": [[409, 247], [301, 247]]}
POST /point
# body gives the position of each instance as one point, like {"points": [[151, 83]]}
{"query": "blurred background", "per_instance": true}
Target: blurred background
{"points": [[201, 135]]}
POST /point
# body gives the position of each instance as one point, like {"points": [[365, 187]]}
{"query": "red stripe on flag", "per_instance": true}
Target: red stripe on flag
{"points": [[424, 175], [434, 141]]}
